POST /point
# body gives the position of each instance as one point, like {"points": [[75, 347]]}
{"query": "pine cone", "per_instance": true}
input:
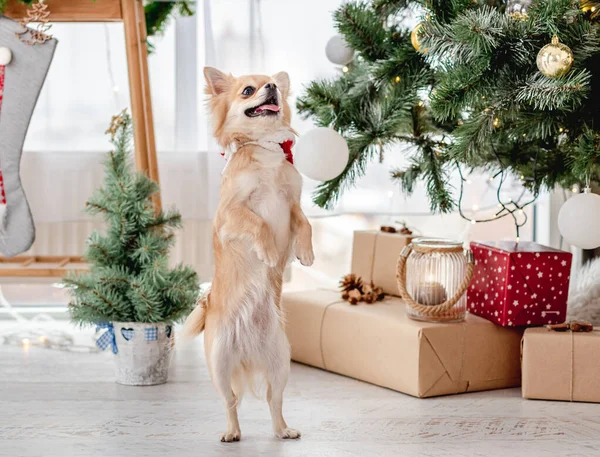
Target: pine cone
{"points": [[371, 293], [354, 291], [354, 296], [574, 326], [369, 298], [378, 291], [351, 282], [405, 230], [579, 326]]}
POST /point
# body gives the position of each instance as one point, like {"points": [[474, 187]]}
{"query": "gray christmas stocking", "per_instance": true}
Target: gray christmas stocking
{"points": [[24, 62]]}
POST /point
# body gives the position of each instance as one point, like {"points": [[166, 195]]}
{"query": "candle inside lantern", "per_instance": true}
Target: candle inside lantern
{"points": [[431, 293]]}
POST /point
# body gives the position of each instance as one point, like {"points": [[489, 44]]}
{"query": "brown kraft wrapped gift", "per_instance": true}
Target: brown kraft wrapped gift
{"points": [[375, 255], [379, 344], [561, 365]]}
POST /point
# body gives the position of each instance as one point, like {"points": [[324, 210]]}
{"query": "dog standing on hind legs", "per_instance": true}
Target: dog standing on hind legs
{"points": [[258, 226]]}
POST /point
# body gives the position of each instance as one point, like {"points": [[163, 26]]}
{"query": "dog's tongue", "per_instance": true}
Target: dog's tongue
{"points": [[273, 108]]}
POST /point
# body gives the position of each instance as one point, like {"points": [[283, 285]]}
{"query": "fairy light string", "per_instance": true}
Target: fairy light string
{"points": [[512, 208]]}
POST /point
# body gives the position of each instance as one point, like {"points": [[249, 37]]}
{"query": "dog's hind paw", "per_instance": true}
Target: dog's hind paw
{"points": [[288, 434], [231, 436]]}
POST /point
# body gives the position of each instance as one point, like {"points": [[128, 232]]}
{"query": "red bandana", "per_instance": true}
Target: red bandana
{"points": [[287, 150]]}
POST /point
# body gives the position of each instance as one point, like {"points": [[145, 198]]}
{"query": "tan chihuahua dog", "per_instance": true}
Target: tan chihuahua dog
{"points": [[258, 225]]}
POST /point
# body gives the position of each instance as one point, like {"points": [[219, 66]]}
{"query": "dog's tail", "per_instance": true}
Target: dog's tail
{"points": [[194, 324]]}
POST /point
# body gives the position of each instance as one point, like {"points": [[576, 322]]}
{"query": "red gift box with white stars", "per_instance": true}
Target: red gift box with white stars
{"points": [[520, 284]]}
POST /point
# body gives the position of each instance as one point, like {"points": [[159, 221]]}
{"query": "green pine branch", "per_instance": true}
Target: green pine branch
{"points": [[586, 156], [566, 93], [476, 84], [362, 28], [361, 151]]}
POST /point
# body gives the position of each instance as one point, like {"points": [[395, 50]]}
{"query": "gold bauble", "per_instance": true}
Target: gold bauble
{"points": [[555, 59], [414, 38], [518, 9], [590, 8]]}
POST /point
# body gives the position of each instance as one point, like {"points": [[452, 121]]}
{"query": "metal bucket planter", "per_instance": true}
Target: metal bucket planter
{"points": [[142, 353]]}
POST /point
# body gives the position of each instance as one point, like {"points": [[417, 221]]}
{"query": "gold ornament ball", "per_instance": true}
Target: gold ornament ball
{"points": [[555, 59], [518, 9], [414, 37], [589, 8]]}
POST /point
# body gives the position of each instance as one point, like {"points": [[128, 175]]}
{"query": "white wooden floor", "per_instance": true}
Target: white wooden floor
{"points": [[66, 404]]}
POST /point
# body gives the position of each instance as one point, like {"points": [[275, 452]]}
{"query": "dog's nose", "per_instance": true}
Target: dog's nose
{"points": [[270, 86]]}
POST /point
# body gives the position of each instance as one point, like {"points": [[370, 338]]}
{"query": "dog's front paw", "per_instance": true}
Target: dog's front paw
{"points": [[231, 436], [268, 254], [287, 434], [306, 255]]}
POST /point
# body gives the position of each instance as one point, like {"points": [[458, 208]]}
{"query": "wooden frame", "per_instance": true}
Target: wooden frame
{"points": [[73, 10], [131, 13], [40, 266]]}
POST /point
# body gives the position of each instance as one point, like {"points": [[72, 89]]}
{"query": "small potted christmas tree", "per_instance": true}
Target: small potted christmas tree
{"points": [[130, 291]]}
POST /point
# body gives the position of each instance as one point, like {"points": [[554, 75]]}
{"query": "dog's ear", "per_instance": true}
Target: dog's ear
{"points": [[217, 82], [282, 80]]}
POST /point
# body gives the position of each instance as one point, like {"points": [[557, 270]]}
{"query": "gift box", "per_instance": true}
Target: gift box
{"points": [[518, 284], [379, 344], [375, 255], [561, 365]]}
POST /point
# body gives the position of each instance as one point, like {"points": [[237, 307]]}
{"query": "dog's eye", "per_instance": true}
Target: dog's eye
{"points": [[249, 90]]}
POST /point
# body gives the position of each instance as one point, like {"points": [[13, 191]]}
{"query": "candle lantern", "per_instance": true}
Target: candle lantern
{"points": [[433, 276]]}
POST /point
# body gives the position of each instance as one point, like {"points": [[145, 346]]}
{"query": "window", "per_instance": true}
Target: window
{"points": [[87, 83]]}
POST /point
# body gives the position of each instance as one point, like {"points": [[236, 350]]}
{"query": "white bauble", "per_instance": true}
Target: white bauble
{"points": [[338, 51], [321, 154], [579, 220], [5, 55]]}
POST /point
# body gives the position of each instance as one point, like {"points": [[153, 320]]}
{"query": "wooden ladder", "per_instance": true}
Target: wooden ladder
{"points": [[131, 13]]}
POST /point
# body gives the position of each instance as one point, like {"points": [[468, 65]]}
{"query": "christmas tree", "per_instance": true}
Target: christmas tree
{"points": [[129, 278], [466, 90]]}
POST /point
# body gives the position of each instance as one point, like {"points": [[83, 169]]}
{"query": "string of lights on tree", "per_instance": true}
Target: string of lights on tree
{"points": [[508, 82]]}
